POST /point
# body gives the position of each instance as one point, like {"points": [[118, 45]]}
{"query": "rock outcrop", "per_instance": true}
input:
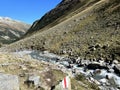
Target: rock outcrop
{"points": [[9, 82]]}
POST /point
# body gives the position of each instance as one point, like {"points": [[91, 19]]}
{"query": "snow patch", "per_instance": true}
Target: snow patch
{"points": [[13, 32], [6, 37]]}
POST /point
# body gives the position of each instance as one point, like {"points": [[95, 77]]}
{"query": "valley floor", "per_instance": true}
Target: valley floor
{"points": [[47, 69]]}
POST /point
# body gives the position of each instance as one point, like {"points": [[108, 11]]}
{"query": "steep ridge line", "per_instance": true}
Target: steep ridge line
{"points": [[81, 6], [85, 34], [79, 15]]}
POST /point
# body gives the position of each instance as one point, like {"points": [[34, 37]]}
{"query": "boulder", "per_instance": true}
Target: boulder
{"points": [[114, 82], [117, 69], [110, 70], [103, 81], [85, 62], [98, 46], [115, 62], [65, 63], [97, 71], [33, 80], [9, 82], [96, 65]]}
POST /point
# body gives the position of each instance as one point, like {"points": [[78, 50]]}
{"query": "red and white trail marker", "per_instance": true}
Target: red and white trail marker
{"points": [[66, 84]]}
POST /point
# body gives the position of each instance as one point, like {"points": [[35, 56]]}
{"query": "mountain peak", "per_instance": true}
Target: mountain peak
{"points": [[5, 18], [11, 30], [8, 19]]}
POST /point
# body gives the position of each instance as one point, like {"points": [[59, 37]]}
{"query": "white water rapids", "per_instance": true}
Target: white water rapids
{"points": [[100, 79]]}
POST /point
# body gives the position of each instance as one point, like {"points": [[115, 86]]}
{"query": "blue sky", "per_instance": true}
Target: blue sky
{"points": [[26, 10]]}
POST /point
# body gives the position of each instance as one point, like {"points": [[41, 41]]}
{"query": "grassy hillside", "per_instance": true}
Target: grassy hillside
{"points": [[63, 11], [91, 32]]}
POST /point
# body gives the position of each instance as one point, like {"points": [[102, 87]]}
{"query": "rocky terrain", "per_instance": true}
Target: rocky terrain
{"points": [[31, 73], [11, 30], [61, 9], [78, 38], [93, 32], [36, 70]]}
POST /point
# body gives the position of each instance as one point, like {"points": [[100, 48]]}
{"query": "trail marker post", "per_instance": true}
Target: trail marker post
{"points": [[66, 83]]}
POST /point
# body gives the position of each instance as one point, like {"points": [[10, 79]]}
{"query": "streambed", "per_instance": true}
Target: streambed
{"points": [[106, 80]]}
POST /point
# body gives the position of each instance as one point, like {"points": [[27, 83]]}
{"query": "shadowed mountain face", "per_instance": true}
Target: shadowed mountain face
{"points": [[10, 30], [88, 28], [60, 10]]}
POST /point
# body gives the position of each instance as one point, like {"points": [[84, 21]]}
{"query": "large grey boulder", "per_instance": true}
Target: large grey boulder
{"points": [[9, 82], [33, 80]]}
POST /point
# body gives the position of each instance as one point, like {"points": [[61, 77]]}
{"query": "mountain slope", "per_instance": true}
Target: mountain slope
{"points": [[63, 11], [94, 32], [10, 30], [53, 14]]}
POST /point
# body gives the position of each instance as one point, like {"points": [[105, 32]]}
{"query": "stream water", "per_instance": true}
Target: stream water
{"points": [[100, 78]]}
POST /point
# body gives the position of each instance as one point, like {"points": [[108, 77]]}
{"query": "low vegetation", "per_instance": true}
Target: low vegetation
{"points": [[22, 67], [92, 33], [86, 83], [90, 30]]}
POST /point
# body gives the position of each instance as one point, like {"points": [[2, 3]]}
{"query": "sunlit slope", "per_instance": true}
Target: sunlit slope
{"points": [[92, 33], [63, 11], [11, 30]]}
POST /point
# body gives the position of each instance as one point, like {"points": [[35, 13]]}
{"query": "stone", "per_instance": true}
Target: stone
{"points": [[105, 46], [9, 82], [22, 74], [113, 82], [97, 71], [34, 80], [115, 62], [85, 62], [65, 63], [96, 82], [117, 69], [110, 70], [96, 65], [98, 46], [48, 79], [92, 48], [23, 67], [103, 81]]}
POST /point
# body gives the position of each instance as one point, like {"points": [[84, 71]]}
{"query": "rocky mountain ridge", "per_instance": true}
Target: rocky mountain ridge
{"points": [[63, 11], [49, 17], [10, 29]]}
